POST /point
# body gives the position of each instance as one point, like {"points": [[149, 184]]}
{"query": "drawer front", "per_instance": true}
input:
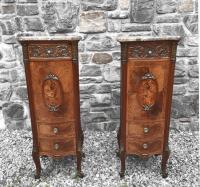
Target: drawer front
{"points": [[146, 89], [38, 51], [56, 129], [145, 148], [57, 147], [148, 130], [53, 90], [149, 50]]}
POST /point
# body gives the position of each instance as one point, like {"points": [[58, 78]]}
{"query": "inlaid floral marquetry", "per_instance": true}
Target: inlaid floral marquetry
{"points": [[149, 51], [52, 92], [147, 91], [49, 51]]}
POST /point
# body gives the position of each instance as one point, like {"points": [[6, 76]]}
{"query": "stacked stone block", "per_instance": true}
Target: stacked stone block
{"points": [[98, 22]]}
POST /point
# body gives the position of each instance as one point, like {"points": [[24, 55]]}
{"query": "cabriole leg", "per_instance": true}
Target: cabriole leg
{"points": [[36, 160], [165, 157], [122, 158]]}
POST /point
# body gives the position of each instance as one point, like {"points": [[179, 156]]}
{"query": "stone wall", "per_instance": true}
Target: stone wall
{"points": [[99, 22]]}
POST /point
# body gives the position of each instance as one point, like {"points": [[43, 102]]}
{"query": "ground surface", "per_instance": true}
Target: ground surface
{"points": [[100, 165]]}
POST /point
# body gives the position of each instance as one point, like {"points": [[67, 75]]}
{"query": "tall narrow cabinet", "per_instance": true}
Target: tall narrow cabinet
{"points": [[147, 73], [51, 67]]}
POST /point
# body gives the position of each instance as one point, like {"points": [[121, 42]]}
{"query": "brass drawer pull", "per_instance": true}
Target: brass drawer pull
{"points": [[56, 146], [146, 129], [145, 145], [55, 130]]}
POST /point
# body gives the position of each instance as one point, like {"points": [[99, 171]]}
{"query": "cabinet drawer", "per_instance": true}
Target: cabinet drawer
{"points": [[56, 129], [150, 130], [140, 147], [54, 50], [57, 147]]}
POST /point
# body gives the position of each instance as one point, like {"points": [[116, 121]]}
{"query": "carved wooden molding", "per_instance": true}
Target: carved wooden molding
{"points": [[49, 51], [149, 51]]}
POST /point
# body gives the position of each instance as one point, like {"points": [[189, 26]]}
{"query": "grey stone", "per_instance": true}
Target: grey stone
{"points": [[191, 41], [179, 90], [87, 89], [15, 124], [166, 6], [180, 71], [9, 39], [9, 1], [88, 80], [115, 113], [5, 91], [187, 52], [111, 73], [194, 85], [192, 61], [60, 17], [20, 93], [186, 6], [19, 24], [7, 27], [181, 80], [8, 9], [192, 101], [94, 117], [7, 65], [196, 6], [113, 25], [111, 126], [116, 97], [90, 70], [103, 88], [168, 19], [98, 5], [99, 43], [181, 109], [116, 56], [100, 100], [27, 1], [142, 11], [190, 22], [102, 58], [4, 76], [85, 58], [13, 111], [27, 10], [193, 71], [123, 4], [7, 52], [135, 28], [33, 24], [118, 14], [92, 22]]}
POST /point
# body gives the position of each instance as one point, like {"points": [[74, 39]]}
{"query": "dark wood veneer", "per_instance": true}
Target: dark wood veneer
{"points": [[147, 71], [52, 76]]}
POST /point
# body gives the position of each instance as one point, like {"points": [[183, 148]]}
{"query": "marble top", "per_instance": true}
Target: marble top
{"points": [[146, 38], [37, 38]]}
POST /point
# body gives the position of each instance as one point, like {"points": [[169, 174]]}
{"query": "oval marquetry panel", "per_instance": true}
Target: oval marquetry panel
{"points": [[147, 91], [52, 92]]}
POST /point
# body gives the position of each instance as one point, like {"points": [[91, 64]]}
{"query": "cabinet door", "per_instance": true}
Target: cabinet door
{"points": [[53, 90], [146, 89]]}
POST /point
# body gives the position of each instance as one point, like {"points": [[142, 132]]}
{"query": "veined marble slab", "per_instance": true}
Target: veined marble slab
{"points": [[124, 38], [37, 38]]}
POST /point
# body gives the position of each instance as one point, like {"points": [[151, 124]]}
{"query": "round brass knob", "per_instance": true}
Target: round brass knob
{"points": [[55, 130], [145, 145], [56, 146], [146, 129]]}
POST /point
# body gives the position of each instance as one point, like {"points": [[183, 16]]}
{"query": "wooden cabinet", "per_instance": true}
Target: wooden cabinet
{"points": [[147, 71], [51, 67]]}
